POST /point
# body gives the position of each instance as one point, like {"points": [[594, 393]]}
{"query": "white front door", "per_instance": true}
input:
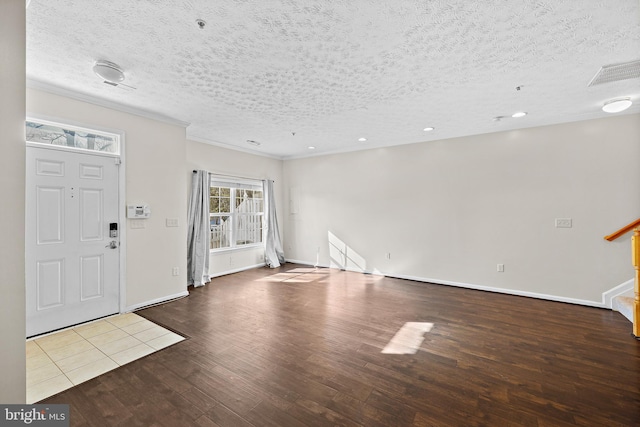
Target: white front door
{"points": [[72, 266]]}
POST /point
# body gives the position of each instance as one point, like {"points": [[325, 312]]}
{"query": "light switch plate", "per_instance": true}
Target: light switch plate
{"points": [[564, 223], [137, 223]]}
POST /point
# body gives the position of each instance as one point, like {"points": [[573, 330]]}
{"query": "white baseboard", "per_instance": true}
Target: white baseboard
{"points": [[237, 270], [624, 288], [589, 303], [297, 261], [185, 293], [520, 293], [156, 301]]}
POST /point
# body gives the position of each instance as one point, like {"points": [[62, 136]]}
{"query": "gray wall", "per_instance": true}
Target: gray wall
{"points": [[223, 161], [451, 210], [154, 159], [12, 165]]}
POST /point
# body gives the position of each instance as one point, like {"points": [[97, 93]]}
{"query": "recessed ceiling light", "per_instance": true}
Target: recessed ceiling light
{"points": [[428, 129], [616, 105], [362, 139], [311, 147], [518, 114]]}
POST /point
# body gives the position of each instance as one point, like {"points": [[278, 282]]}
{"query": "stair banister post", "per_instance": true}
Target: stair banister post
{"points": [[635, 255]]}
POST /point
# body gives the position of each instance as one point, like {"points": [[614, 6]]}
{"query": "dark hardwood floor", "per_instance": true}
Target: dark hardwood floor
{"points": [[302, 347]]}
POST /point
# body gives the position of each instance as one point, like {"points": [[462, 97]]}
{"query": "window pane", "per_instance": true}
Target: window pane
{"points": [[249, 205], [249, 229], [236, 211], [220, 231], [214, 204], [225, 204], [71, 137]]}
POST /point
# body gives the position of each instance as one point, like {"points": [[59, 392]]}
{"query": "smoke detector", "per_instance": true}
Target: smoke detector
{"points": [[108, 71]]}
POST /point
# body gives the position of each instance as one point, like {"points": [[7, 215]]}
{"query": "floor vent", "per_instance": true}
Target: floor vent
{"points": [[616, 72]]}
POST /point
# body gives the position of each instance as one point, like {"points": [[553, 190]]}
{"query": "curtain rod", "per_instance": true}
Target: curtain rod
{"points": [[236, 176]]}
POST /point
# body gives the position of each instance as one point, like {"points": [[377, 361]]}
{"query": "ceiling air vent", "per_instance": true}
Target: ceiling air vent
{"points": [[616, 72]]}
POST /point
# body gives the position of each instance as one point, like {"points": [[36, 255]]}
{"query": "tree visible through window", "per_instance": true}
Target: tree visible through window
{"points": [[236, 211], [44, 132]]}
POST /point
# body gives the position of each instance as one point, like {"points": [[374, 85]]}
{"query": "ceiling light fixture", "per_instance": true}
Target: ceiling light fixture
{"points": [[518, 114], [616, 105], [362, 139], [428, 129], [311, 147], [108, 71]]}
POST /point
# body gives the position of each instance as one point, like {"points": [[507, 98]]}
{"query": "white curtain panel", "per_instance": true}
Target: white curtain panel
{"points": [[273, 253], [199, 231]]}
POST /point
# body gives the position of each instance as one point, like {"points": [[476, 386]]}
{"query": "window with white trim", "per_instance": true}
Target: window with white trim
{"points": [[236, 212]]}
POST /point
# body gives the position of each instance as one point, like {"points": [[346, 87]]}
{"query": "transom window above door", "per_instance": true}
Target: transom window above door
{"points": [[71, 137]]}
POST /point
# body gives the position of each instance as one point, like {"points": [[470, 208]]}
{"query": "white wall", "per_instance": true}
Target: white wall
{"points": [[230, 162], [12, 184], [452, 210], [154, 159]]}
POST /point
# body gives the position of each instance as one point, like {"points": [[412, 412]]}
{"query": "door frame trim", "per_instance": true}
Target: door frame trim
{"points": [[122, 219]]}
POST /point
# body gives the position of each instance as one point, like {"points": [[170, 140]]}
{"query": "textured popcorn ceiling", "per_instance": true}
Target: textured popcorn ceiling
{"points": [[333, 71]]}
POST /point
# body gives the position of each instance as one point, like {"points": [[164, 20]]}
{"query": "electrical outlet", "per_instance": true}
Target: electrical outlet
{"points": [[387, 255], [172, 222], [564, 223], [500, 268], [175, 271]]}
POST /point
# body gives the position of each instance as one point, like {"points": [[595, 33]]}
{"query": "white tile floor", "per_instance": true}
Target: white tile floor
{"points": [[60, 360]]}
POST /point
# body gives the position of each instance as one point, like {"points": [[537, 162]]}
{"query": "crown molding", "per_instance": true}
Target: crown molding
{"points": [[78, 96], [231, 147]]}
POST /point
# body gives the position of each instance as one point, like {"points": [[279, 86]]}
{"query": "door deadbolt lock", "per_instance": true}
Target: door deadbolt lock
{"points": [[112, 245], [113, 229]]}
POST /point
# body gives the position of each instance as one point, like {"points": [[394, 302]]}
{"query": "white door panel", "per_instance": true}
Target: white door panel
{"points": [[72, 274], [91, 214], [49, 283], [49, 215]]}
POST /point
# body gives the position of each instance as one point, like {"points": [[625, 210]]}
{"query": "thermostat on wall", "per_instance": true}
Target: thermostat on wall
{"points": [[138, 211]]}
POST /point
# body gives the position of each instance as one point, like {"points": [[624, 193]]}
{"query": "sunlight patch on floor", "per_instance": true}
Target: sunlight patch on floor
{"points": [[278, 277], [408, 339]]}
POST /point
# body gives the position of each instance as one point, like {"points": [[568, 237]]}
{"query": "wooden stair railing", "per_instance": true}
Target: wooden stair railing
{"points": [[635, 260]]}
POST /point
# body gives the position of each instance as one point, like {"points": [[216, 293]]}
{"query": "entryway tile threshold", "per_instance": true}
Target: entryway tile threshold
{"points": [[65, 358]]}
